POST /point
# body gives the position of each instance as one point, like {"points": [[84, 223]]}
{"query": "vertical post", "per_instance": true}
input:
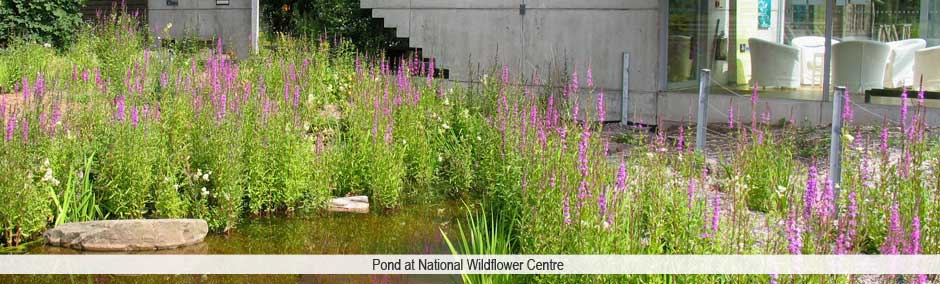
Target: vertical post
{"points": [[625, 95], [700, 128], [827, 55], [835, 144], [255, 15]]}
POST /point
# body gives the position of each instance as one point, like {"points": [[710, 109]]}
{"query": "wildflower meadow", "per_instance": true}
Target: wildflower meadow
{"points": [[111, 128]]}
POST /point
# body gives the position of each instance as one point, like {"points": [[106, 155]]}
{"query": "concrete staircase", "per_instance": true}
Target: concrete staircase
{"points": [[397, 15]]}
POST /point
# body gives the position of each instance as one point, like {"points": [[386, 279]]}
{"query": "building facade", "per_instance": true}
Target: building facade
{"points": [[878, 48], [234, 21]]}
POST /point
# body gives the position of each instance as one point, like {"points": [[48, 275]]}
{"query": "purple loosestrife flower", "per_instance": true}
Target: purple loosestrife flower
{"points": [[904, 110], [895, 234], [622, 177], [731, 116], [40, 85], [809, 196], [3, 107], [389, 128], [794, 234], [583, 152], [582, 193], [163, 79], [920, 97], [430, 74], [848, 114], [826, 207], [601, 111], [286, 92], [135, 116], [716, 213], [25, 129], [773, 279], [26, 89], [505, 74], [119, 102], [590, 78], [691, 192], [85, 75], [575, 89], [602, 205], [566, 210], [11, 126], [296, 100], [844, 244], [913, 246]]}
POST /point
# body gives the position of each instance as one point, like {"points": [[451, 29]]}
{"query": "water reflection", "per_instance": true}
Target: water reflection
{"points": [[412, 230]]}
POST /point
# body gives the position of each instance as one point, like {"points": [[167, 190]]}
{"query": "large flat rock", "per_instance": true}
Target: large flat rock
{"points": [[354, 204], [128, 235]]}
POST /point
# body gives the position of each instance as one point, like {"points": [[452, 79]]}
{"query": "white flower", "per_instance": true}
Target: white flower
{"points": [[446, 101], [445, 126], [440, 159], [478, 138], [204, 191], [176, 187], [404, 142], [47, 45], [205, 177]]}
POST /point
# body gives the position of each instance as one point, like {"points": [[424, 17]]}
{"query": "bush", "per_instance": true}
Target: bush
{"points": [[43, 21]]}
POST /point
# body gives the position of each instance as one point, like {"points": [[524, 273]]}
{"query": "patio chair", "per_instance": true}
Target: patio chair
{"points": [[859, 65], [927, 66], [812, 49], [774, 64], [899, 72]]}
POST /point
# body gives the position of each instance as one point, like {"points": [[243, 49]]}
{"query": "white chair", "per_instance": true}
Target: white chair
{"points": [[899, 72], [859, 65], [811, 50], [927, 66], [774, 64], [680, 65]]}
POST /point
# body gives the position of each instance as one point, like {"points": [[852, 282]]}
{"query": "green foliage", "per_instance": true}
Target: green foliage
{"points": [[766, 170], [77, 202], [484, 235], [43, 21]]}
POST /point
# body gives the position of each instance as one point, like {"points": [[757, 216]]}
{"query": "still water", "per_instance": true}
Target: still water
{"points": [[415, 229]]}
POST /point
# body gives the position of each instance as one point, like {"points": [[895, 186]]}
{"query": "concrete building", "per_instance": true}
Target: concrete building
{"points": [[235, 21], [668, 41]]}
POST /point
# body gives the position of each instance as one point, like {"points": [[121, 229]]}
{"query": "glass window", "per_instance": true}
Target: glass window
{"points": [[879, 47]]}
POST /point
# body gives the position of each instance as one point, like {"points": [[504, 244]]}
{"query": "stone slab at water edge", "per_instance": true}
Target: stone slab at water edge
{"points": [[354, 204], [128, 235]]}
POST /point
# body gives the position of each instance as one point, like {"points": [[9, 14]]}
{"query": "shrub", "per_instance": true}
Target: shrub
{"points": [[43, 21]]}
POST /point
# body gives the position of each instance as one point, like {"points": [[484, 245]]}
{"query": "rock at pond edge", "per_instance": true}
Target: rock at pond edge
{"points": [[352, 204], [128, 235]]}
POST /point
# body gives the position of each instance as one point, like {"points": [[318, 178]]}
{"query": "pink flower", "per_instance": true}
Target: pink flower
{"points": [[566, 210], [809, 196], [794, 235], [601, 111]]}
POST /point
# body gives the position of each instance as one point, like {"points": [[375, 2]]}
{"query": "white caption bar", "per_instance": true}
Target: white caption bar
{"points": [[483, 264]]}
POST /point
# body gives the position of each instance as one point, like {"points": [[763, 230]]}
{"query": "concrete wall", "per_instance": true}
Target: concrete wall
{"points": [[204, 19], [549, 37]]}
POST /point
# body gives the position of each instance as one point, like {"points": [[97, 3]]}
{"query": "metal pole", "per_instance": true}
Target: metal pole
{"points": [[835, 144], [255, 25], [625, 96], [827, 56], [700, 128]]}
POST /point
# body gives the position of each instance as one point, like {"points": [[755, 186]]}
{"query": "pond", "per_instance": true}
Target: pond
{"points": [[414, 229]]}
